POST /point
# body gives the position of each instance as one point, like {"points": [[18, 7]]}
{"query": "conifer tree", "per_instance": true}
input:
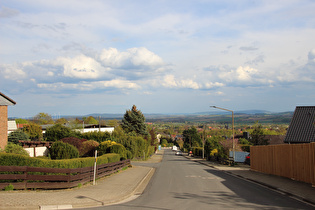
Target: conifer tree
{"points": [[134, 121]]}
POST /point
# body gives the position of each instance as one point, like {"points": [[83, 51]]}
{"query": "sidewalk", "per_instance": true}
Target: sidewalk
{"points": [[300, 190], [112, 189]]}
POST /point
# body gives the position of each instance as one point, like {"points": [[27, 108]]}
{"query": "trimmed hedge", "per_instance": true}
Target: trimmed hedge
{"points": [[20, 160], [118, 149]]}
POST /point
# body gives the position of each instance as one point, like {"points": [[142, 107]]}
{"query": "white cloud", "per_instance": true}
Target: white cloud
{"points": [[133, 57], [12, 72], [242, 74], [311, 55], [88, 86], [169, 81], [210, 85], [81, 67]]}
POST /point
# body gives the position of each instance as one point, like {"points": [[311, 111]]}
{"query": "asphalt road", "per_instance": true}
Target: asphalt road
{"points": [[179, 183]]}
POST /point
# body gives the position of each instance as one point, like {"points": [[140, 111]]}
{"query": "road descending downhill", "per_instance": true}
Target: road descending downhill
{"points": [[179, 183]]}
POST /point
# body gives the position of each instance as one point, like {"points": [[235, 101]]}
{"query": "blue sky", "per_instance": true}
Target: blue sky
{"points": [[78, 57]]}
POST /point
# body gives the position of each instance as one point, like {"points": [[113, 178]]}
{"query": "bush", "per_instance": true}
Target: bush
{"points": [[103, 147], [75, 142], [18, 135], [15, 149], [197, 151], [57, 132], [129, 154], [61, 150], [9, 187], [34, 131], [88, 148], [118, 149]]}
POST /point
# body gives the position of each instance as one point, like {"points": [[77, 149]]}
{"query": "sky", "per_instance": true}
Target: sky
{"points": [[77, 57]]}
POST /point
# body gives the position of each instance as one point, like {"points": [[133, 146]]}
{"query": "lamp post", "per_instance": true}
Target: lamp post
{"points": [[232, 127]]}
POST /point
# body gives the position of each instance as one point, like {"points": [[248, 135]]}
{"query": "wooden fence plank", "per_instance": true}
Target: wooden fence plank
{"points": [[54, 178], [295, 161]]}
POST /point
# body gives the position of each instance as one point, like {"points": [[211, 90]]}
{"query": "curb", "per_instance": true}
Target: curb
{"points": [[260, 183]]}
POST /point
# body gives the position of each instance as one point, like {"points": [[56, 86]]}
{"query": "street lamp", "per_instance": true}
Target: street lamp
{"points": [[232, 127]]}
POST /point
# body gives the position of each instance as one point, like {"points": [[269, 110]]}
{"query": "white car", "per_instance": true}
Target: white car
{"points": [[178, 152]]}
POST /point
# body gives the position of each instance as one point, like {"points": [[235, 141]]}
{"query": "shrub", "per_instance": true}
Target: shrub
{"points": [[88, 148], [34, 131], [197, 151], [17, 135], [61, 150], [75, 142], [9, 187], [129, 154], [15, 149], [103, 147], [118, 149], [57, 132]]}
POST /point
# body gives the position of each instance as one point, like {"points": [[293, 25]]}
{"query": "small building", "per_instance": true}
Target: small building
{"points": [[302, 126], [5, 101], [91, 128], [12, 126]]}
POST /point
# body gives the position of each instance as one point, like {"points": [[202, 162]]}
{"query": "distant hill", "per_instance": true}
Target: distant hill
{"points": [[240, 117]]}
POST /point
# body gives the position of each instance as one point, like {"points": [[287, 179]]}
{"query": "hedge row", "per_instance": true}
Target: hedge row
{"points": [[197, 151], [7, 159]]}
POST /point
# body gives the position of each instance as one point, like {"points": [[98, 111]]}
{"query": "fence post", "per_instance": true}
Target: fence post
{"points": [[95, 167]]}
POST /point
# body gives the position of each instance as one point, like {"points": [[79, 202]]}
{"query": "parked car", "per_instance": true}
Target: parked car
{"points": [[178, 152], [247, 159]]}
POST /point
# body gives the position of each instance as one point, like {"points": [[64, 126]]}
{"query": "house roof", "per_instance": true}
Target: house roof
{"points": [[5, 100], [302, 126]]}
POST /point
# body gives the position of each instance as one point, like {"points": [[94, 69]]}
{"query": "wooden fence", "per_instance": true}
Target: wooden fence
{"points": [[24, 177], [294, 161]]}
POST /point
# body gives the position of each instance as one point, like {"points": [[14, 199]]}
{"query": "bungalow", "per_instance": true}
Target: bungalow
{"points": [[5, 101]]}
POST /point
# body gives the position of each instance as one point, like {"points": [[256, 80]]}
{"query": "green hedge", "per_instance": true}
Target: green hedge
{"points": [[197, 151], [20, 160]]}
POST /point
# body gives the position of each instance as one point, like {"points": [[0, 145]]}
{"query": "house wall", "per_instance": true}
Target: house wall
{"points": [[37, 151], [3, 126], [110, 130]]}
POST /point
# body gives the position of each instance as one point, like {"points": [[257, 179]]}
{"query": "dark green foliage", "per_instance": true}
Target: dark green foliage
{"points": [[197, 151], [61, 150], [57, 132], [134, 121], [88, 148], [164, 143], [258, 136], [15, 149], [245, 144], [17, 135], [21, 160], [129, 154], [118, 149], [213, 144], [191, 138]]}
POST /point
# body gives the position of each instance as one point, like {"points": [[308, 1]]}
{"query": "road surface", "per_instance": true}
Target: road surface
{"points": [[180, 183]]}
